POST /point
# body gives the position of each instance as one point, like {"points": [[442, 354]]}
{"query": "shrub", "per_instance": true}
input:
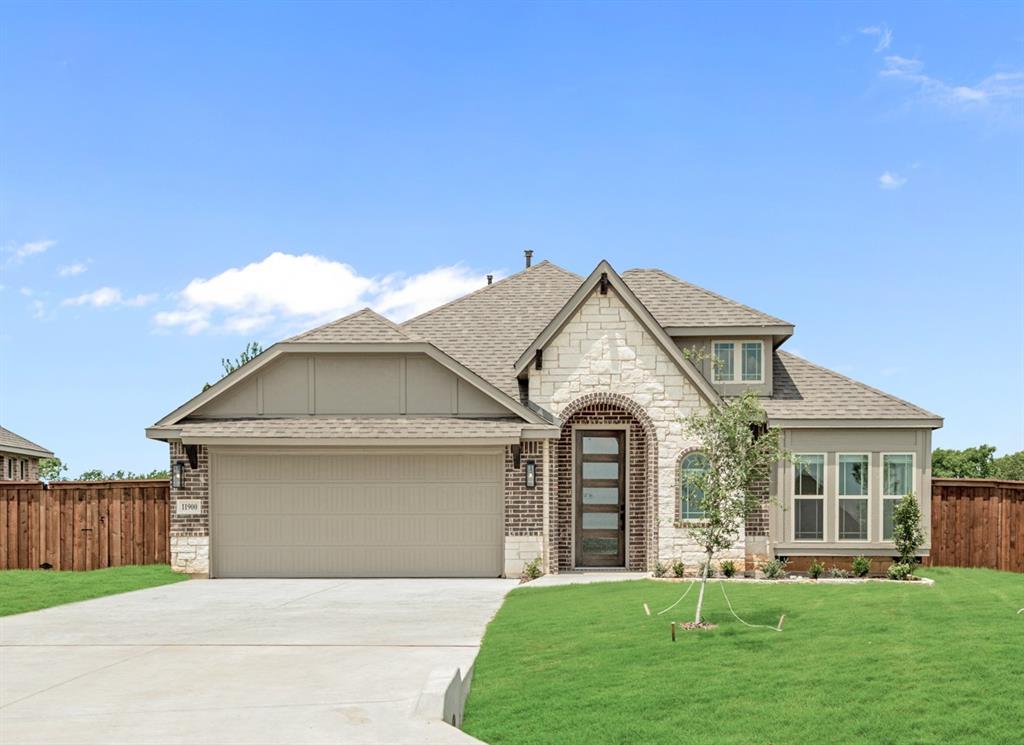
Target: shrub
{"points": [[660, 570], [774, 568], [899, 570], [678, 568], [533, 569], [728, 568], [861, 566], [906, 529], [816, 569], [837, 573], [711, 569]]}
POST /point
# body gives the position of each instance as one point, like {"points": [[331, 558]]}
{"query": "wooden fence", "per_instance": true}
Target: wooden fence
{"points": [[978, 523], [84, 524]]}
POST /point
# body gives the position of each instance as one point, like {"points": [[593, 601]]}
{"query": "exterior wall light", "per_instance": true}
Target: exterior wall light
{"points": [[531, 474], [178, 476]]}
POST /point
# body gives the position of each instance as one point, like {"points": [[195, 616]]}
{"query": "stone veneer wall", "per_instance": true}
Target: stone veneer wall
{"points": [[190, 535], [31, 467], [612, 411], [603, 348], [524, 509]]}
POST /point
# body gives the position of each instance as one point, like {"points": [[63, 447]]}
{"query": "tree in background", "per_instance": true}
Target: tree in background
{"points": [[52, 469], [252, 350], [739, 451], [97, 474], [977, 463]]}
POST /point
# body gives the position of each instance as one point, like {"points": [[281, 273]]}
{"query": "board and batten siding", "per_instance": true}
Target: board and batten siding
{"points": [[357, 512], [361, 384], [832, 443]]}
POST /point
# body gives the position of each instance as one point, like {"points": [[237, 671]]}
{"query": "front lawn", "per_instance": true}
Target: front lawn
{"points": [[23, 590], [868, 663]]}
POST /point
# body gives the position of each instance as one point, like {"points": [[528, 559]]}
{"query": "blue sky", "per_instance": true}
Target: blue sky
{"points": [[178, 179]]}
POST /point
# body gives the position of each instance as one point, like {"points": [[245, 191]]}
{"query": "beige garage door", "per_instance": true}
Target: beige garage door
{"points": [[357, 513]]}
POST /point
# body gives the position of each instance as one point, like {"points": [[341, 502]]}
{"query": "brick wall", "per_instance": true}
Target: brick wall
{"points": [[17, 462], [190, 534], [524, 508]]}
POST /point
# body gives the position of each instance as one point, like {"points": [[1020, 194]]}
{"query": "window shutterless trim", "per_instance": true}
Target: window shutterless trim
{"points": [[862, 497], [737, 361], [894, 497], [823, 497]]}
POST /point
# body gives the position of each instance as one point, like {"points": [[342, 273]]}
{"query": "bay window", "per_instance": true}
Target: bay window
{"points": [[809, 497], [897, 482], [854, 495]]}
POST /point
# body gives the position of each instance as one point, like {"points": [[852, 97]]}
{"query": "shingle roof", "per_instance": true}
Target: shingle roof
{"points": [[9, 439], [803, 390], [677, 303], [324, 427], [364, 326], [488, 329]]}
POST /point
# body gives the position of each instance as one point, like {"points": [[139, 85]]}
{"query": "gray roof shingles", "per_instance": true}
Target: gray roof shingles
{"points": [[363, 326], [11, 440]]}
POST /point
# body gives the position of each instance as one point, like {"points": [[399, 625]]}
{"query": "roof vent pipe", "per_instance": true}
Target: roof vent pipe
{"points": [[490, 278], [528, 253]]}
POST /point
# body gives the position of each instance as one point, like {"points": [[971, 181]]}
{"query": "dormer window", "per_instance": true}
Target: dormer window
{"points": [[739, 361]]}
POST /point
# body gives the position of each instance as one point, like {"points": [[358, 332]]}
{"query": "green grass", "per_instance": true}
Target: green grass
{"points": [[23, 590], [869, 663]]}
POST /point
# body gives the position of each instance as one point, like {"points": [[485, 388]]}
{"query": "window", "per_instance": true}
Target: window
{"points": [[724, 368], [745, 356], [690, 495], [10, 469], [751, 362], [24, 470], [809, 497], [854, 473], [897, 482]]}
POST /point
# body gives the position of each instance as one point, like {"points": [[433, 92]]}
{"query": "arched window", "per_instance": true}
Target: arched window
{"points": [[690, 495]]}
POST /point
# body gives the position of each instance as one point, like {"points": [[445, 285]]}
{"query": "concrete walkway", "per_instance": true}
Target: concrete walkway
{"points": [[585, 578], [242, 661]]}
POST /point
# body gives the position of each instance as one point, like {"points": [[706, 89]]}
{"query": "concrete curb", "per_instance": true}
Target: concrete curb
{"points": [[444, 695]]}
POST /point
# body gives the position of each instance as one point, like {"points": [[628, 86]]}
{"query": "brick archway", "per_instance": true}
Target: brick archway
{"points": [[615, 410]]}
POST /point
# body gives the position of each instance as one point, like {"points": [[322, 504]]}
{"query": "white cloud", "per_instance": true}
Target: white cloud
{"points": [[22, 252], [71, 270], [26, 291], [38, 309], [108, 297], [304, 290], [891, 180], [884, 34], [1003, 88]]}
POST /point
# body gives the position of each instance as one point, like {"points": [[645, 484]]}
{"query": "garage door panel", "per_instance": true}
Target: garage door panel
{"points": [[357, 514]]}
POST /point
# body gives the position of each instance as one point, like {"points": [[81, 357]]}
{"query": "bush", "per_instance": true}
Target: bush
{"points": [[678, 568], [533, 569], [837, 573], [906, 529], [728, 568], [899, 570], [660, 570], [861, 566], [774, 568], [711, 569], [816, 569]]}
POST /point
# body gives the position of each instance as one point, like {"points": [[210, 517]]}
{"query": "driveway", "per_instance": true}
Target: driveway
{"points": [[242, 661]]}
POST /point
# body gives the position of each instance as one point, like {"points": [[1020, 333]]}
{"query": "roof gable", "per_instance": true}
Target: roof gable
{"points": [[15, 443], [601, 274], [363, 326]]}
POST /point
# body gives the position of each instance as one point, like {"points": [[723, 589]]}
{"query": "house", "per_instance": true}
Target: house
{"points": [[19, 458], [536, 417]]}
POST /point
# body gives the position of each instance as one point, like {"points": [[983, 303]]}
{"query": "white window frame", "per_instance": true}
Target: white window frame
{"points": [[737, 362], [823, 497], [680, 484], [839, 512], [883, 496]]}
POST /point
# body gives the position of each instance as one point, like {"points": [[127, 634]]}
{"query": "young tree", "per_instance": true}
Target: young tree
{"points": [[906, 529], [252, 350], [740, 452]]}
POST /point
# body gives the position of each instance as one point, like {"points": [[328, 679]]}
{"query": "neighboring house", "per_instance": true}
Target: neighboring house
{"points": [[537, 416], [19, 458]]}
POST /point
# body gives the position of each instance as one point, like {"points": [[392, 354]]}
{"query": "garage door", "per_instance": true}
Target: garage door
{"points": [[357, 513]]}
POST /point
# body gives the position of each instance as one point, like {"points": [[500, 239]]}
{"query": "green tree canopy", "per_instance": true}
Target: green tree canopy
{"points": [[969, 463]]}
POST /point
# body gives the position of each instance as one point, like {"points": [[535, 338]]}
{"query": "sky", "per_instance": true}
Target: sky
{"points": [[179, 179]]}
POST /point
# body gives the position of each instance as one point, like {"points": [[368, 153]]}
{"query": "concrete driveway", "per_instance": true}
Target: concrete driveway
{"points": [[242, 661]]}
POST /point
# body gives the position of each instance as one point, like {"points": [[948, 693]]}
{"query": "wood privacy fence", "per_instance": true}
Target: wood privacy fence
{"points": [[978, 523], [84, 524]]}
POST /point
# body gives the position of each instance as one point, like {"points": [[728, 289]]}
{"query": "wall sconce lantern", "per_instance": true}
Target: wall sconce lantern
{"points": [[178, 476], [531, 474]]}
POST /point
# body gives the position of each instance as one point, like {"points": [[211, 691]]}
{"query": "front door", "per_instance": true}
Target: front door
{"points": [[600, 498]]}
